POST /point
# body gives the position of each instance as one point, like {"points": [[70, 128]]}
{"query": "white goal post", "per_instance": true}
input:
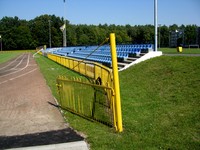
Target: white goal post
{"points": [[193, 46]]}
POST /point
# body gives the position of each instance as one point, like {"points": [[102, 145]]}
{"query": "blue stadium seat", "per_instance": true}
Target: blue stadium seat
{"points": [[102, 54]]}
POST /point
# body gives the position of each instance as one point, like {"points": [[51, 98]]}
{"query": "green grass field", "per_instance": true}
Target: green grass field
{"points": [[160, 105], [7, 55], [174, 51]]}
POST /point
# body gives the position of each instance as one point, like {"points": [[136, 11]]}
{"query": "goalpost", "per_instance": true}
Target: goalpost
{"points": [[193, 46]]}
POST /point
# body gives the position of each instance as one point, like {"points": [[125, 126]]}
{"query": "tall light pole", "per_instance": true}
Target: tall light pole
{"points": [[1, 42], [64, 31], [155, 24], [49, 33], [177, 36]]}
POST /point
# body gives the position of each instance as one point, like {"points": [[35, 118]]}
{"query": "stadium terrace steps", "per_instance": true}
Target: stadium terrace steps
{"points": [[126, 54]]}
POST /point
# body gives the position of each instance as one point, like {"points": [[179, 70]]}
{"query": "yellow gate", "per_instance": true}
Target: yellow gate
{"points": [[86, 99]]}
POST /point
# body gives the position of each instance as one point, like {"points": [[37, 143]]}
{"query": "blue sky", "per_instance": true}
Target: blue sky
{"points": [[119, 12]]}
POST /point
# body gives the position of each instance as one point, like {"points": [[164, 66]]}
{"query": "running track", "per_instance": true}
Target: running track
{"points": [[26, 117]]}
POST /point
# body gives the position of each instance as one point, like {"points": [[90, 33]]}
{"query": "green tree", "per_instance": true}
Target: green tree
{"points": [[40, 29], [84, 40], [102, 33], [190, 34], [71, 35], [164, 36], [23, 38], [22, 34], [15, 33]]}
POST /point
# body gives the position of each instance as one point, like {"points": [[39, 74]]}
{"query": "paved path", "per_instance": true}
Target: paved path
{"points": [[25, 112]]}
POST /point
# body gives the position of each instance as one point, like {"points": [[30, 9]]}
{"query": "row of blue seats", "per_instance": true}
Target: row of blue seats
{"points": [[101, 59], [82, 56], [142, 46], [74, 49], [136, 46], [102, 54], [105, 47], [107, 52], [121, 54]]}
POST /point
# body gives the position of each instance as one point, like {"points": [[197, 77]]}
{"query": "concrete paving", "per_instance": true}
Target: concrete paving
{"points": [[80, 145]]}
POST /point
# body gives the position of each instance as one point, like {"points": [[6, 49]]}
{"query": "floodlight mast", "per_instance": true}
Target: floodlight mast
{"points": [[64, 31], [155, 24]]}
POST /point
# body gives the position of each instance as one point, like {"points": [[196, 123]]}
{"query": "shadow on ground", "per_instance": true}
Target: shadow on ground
{"points": [[38, 139]]}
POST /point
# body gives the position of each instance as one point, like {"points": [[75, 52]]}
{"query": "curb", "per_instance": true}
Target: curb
{"points": [[80, 145]]}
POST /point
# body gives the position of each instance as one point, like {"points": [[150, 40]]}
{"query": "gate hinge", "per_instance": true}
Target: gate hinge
{"points": [[58, 85]]}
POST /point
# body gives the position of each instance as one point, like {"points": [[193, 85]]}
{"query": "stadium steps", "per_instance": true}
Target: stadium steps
{"points": [[132, 58], [142, 54], [121, 65], [127, 61]]}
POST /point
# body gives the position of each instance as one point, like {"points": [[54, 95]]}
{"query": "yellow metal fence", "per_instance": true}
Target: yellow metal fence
{"points": [[86, 99], [90, 69], [77, 94], [98, 99]]}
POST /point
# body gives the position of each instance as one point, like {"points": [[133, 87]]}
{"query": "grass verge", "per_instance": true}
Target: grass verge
{"points": [[51, 70], [160, 105]]}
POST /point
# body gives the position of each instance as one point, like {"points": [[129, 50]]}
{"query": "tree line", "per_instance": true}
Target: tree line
{"points": [[23, 34]]}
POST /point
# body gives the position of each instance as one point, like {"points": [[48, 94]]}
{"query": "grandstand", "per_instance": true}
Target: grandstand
{"points": [[126, 54]]}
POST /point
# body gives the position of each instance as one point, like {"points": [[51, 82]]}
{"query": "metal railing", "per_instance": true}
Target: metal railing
{"points": [[86, 99], [97, 99]]}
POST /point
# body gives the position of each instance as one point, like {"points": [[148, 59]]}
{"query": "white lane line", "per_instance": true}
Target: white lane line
{"points": [[14, 68], [23, 74], [18, 64], [11, 62], [32, 65], [18, 76], [19, 69], [4, 82]]}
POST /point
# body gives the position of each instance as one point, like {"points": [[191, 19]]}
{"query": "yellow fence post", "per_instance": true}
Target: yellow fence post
{"points": [[116, 83]]}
